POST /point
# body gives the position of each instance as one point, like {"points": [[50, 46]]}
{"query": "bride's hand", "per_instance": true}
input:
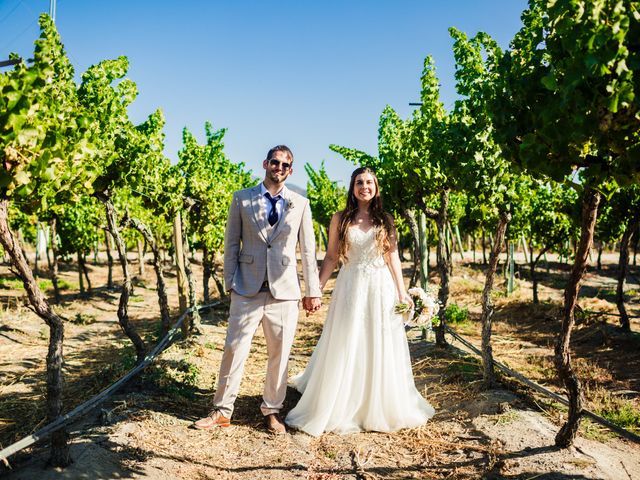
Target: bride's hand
{"points": [[406, 298]]}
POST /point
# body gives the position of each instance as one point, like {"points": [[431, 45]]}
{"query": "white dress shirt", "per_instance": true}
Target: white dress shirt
{"points": [[267, 204]]}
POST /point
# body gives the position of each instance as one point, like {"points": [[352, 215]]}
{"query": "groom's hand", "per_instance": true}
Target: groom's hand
{"points": [[305, 305], [311, 304]]}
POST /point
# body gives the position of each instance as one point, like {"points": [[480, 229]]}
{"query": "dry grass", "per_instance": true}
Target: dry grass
{"points": [[524, 336], [148, 426]]}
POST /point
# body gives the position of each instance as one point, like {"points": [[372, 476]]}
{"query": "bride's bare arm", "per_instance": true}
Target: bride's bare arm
{"points": [[395, 267], [331, 257]]}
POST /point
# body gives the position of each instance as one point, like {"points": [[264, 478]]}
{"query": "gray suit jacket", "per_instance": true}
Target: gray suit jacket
{"points": [[251, 254]]}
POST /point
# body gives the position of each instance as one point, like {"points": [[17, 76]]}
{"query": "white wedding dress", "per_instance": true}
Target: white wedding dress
{"points": [[359, 376]]}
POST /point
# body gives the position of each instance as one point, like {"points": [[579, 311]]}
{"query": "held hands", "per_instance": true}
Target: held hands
{"points": [[311, 304]]}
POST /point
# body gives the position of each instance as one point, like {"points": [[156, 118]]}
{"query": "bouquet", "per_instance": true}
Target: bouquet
{"points": [[425, 310]]}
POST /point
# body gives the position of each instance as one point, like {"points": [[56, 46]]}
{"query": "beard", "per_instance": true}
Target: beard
{"points": [[277, 177]]}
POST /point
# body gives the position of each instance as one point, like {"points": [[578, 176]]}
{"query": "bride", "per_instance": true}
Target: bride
{"points": [[359, 376]]}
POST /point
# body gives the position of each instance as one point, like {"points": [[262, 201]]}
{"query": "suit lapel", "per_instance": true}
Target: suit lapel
{"points": [[259, 215]]}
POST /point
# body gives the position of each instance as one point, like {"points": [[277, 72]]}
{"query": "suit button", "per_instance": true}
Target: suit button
{"points": [[268, 246]]}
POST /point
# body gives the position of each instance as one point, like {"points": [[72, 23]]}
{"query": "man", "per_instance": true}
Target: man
{"points": [[265, 224]]}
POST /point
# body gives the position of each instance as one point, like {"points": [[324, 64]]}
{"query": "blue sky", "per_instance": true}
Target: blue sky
{"points": [[306, 74]]}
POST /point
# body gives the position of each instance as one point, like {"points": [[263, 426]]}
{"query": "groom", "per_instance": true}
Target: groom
{"points": [[265, 224]]}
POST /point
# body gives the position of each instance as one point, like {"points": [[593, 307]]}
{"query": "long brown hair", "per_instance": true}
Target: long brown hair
{"points": [[381, 220]]}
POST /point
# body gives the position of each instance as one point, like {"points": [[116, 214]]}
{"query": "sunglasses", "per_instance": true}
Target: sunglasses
{"points": [[276, 163]]}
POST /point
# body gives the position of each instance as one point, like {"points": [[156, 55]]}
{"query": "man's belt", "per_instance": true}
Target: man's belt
{"points": [[265, 286]]}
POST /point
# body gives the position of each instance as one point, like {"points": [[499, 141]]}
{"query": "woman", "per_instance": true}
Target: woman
{"points": [[359, 376]]}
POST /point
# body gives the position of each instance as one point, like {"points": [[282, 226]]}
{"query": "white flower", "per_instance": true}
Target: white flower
{"points": [[289, 205], [426, 307]]}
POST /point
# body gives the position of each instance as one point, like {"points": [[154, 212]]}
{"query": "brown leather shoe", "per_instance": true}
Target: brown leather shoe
{"points": [[214, 419], [274, 424]]}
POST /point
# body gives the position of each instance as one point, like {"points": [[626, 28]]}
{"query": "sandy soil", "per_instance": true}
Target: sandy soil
{"points": [[143, 431]]}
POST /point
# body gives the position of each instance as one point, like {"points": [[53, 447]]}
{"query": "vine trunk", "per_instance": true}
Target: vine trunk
{"points": [[443, 267], [488, 374], [623, 266], [562, 357], [123, 314], [60, 456], [163, 303]]}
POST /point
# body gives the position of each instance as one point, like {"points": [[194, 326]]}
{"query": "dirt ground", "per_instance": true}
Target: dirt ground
{"points": [[143, 431]]}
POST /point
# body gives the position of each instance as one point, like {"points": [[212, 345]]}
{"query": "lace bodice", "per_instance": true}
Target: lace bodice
{"points": [[363, 252]]}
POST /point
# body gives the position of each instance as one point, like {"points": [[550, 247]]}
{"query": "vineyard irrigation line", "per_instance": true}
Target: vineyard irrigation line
{"points": [[99, 398], [609, 314], [518, 376]]}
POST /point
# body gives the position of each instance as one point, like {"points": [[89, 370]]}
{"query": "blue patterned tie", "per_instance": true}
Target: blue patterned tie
{"points": [[273, 214]]}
